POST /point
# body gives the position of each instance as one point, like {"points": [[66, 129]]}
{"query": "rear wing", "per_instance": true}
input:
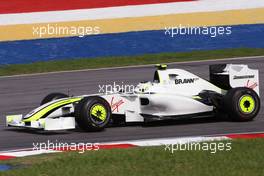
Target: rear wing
{"points": [[227, 76]]}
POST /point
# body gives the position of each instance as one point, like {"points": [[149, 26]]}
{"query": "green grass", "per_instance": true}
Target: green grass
{"points": [[77, 64], [245, 158]]}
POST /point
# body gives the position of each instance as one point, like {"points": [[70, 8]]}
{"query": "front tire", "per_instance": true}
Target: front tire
{"points": [[93, 113], [241, 104]]}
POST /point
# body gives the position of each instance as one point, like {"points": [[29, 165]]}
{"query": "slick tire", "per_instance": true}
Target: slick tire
{"points": [[53, 96], [241, 104], [93, 113]]}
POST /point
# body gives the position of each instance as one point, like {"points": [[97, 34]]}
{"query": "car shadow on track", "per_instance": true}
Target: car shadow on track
{"points": [[39, 132], [181, 121], [186, 121]]}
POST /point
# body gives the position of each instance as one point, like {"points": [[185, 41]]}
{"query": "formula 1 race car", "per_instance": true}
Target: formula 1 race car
{"points": [[174, 93]]}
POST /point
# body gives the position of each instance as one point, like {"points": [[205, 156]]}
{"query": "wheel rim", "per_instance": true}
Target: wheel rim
{"points": [[98, 113], [247, 104]]}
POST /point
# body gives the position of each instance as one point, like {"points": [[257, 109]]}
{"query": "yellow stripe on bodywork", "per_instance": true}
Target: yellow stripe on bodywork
{"points": [[51, 107], [196, 97], [229, 17]]}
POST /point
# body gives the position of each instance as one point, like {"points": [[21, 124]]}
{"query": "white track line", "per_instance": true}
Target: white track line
{"points": [[28, 153], [165, 141]]}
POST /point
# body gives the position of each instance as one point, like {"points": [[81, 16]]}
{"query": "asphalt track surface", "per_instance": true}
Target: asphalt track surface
{"points": [[23, 93]]}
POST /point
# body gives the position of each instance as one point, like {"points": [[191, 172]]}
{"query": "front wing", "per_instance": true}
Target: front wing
{"points": [[48, 124]]}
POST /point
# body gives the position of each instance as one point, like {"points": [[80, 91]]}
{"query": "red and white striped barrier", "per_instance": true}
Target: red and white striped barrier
{"points": [[5, 155]]}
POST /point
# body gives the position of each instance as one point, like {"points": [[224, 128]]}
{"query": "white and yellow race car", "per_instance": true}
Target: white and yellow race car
{"points": [[174, 93]]}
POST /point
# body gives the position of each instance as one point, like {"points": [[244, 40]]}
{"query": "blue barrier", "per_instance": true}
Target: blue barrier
{"points": [[126, 44]]}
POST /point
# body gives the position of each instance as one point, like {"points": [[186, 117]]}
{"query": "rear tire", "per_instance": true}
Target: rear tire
{"points": [[53, 96], [93, 113], [241, 104]]}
